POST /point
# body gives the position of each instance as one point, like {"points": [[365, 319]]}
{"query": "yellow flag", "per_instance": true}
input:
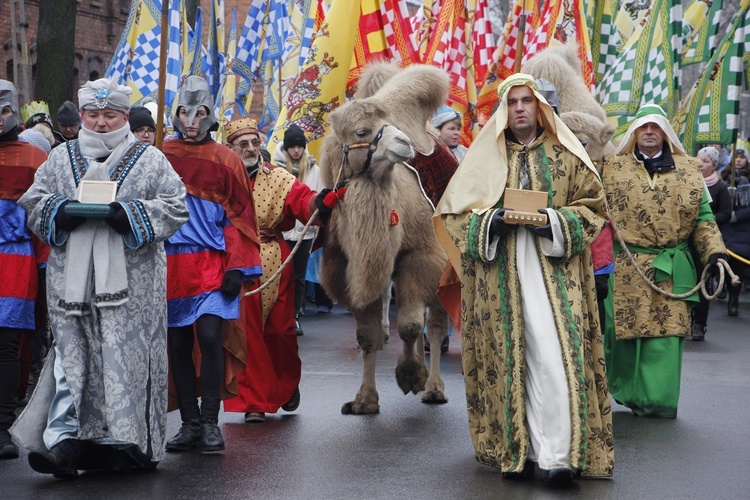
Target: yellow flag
{"points": [[320, 86]]}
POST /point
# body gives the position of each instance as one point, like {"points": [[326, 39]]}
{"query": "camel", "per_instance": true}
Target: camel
{"points": [[380, 229]]}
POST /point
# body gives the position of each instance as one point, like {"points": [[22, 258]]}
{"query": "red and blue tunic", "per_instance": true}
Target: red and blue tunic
{"points": [[21, 253], [220, 234]]}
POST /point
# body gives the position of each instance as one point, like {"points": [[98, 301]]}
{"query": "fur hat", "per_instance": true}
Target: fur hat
{"points": [[68, 115], [140, 117], [35, 138], [441, 119], [243, 126], [294, 136], [105, 93], [712, 153]]}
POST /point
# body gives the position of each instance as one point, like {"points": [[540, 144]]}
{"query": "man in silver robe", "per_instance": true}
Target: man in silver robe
{"points": [[101, 400]]}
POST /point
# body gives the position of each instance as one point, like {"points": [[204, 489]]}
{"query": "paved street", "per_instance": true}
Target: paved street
{"points": [[411, 450]]}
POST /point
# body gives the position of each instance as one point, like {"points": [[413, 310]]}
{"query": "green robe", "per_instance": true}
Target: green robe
{"points": [[644, 331]]}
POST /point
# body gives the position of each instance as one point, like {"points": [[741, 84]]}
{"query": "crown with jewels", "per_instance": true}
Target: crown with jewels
{"points": [[34, 108]]}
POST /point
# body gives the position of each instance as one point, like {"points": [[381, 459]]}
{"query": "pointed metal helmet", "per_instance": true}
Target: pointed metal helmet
{"points": [[9, 97], [195, 93]]}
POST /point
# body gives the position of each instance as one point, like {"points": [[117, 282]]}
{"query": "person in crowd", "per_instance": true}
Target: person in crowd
{"points": [[740, 168], [21, 258], [721, 207], [292, 155], [657, 200], [208, 260], [101, 398], [36, 117], [532, 353], [68, 123], [142, 124], [273, 369], [448, 123], [736, 235], [725, 157]]}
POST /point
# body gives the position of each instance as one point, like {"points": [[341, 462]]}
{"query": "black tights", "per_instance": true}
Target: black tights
{"points": [[212, 367], [9, 374]]}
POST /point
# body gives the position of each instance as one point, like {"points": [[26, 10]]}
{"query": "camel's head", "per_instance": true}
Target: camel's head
{"points": [[361, 132]]}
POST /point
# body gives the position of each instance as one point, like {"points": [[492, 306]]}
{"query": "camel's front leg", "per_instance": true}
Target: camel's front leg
{"points": [[411, 371], [370, 337], [437, 329]]}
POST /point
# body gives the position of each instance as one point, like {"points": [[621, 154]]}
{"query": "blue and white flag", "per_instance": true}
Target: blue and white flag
{"points": [[174, 67], [119, 66]]}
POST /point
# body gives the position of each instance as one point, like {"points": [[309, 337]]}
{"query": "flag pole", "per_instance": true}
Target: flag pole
{"points": [[280, 92], [162, 73], [519, 40]]}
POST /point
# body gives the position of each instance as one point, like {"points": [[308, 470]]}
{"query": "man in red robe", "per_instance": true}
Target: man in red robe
{"points": [[208, 260], [20, 259], [273, 368]]}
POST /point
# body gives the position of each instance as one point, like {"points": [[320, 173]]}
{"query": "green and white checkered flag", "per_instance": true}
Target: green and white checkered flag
{"points": [[647, 69], [604, 36], [710, 112], [700, 30]]}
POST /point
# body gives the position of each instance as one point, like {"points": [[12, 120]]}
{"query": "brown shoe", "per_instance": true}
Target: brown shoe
{"points": [[255, 417]]}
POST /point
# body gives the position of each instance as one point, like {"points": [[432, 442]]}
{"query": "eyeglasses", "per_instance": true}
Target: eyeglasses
{"points": [[144, 131], [246, 144]]}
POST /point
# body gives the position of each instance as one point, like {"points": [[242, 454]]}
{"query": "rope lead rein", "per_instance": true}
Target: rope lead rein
{"points": [[705, 277]]}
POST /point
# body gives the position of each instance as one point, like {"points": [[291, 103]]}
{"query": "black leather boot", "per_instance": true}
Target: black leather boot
{"points": [[61, 460], [188, 437], [699, 332], [733, 306], [527, 474], [211, 440], [297, 329], [8, 449], [293, 402]]}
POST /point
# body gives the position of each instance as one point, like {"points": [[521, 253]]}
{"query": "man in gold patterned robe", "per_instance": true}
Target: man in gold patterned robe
{"points": [[657, 199], [533, 356], [273, 369]]}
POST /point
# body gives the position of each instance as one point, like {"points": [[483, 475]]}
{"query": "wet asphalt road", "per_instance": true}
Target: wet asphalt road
{"points": [[412, 450]]}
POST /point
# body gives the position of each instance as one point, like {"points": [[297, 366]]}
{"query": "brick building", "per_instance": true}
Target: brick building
{"points": [[98, 28], [99, 25]]}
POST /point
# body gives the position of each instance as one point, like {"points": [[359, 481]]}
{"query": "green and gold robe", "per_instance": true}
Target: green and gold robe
{"points": [[494, 356]]}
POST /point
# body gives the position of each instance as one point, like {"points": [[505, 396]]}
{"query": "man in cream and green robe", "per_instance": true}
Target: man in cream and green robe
{"points": [[658, 200], [533, 356]]}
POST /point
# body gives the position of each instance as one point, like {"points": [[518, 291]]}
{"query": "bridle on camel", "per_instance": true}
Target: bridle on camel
{"points": [[371, 146], [336, 194]]}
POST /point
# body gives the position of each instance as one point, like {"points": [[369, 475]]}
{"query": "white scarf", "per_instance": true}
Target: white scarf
{"points": [[96, 243], [99, 145]]}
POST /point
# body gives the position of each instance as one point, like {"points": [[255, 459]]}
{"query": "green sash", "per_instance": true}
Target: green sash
{"points": [[675, 262]]}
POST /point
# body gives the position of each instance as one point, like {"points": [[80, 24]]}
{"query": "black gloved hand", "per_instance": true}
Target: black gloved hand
{"points": [[713, 259], [542, 231], [232, 283], [65, 221], [324, 211], [602, 286], [498, 227], [119, 219]]}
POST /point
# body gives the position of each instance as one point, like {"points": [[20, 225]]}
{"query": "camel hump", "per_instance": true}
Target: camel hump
{"points": [[374, 76]]}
